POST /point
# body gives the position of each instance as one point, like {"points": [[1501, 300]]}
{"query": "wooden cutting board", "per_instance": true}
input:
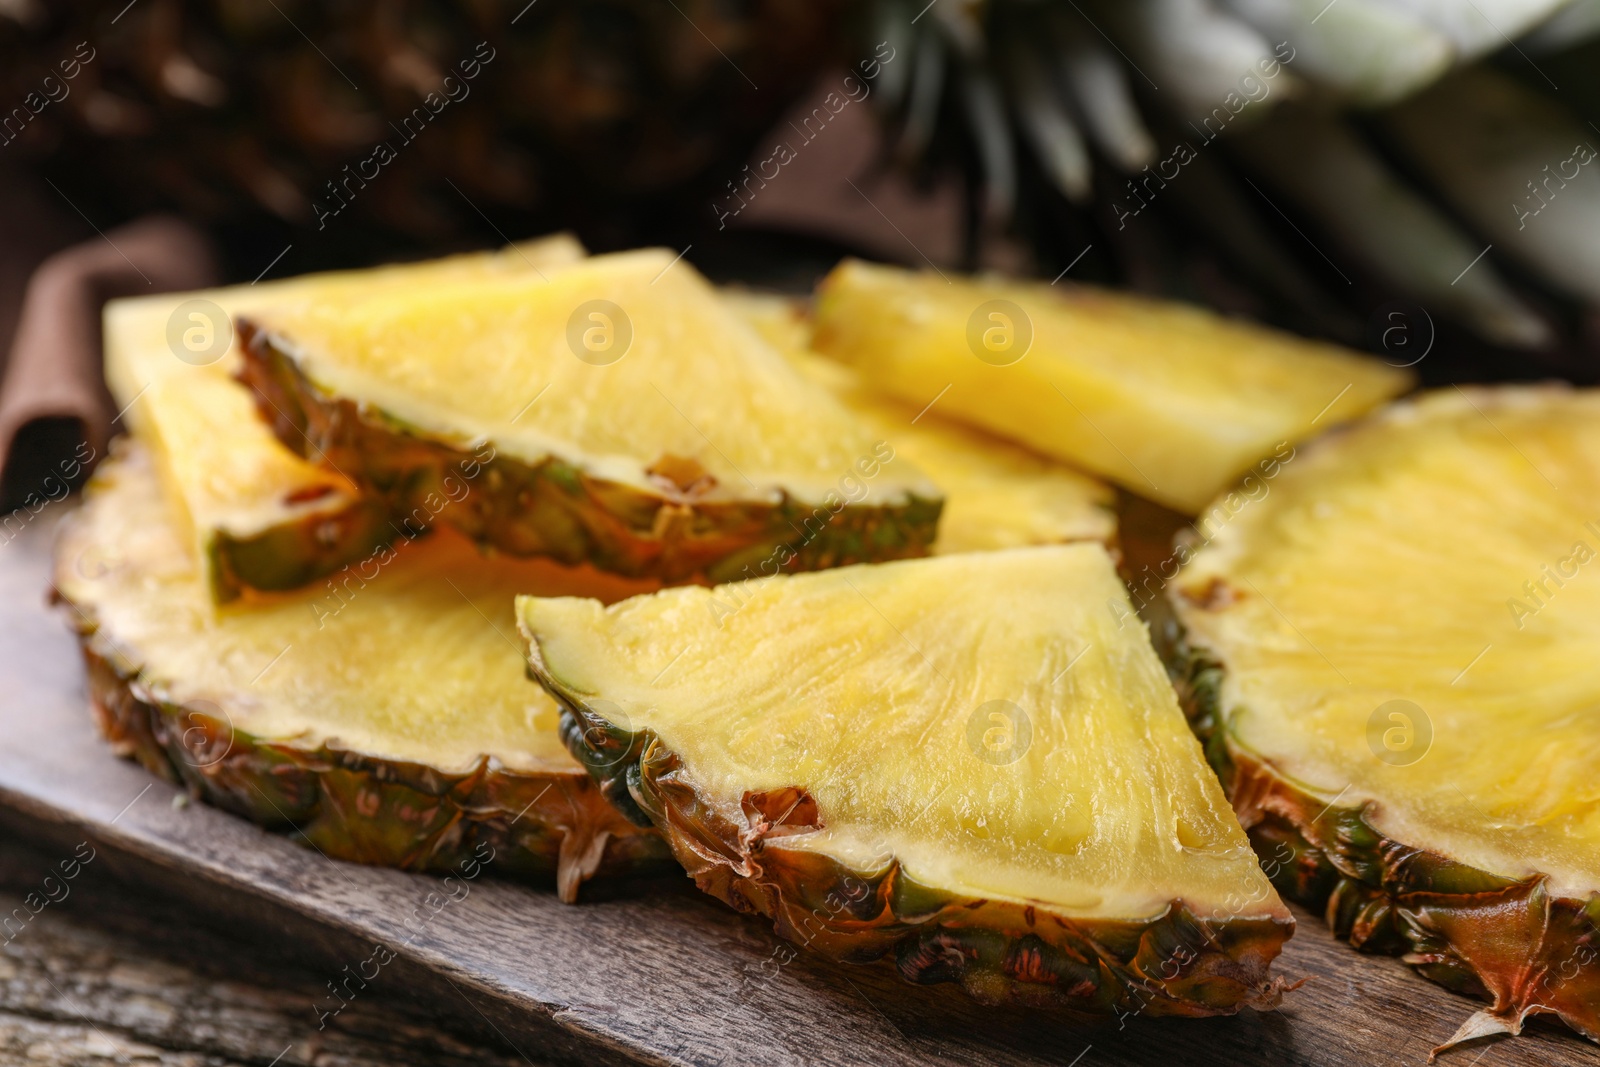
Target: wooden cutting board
{"points": [[655, 973]]}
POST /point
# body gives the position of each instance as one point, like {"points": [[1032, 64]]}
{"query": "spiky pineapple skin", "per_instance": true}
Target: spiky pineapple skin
{"points": [[294, 554], [1179, 963], [555, 509], [362, 808], [1474, 932]]}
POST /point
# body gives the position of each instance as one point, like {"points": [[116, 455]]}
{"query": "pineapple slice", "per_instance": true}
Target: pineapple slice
{"points": [[387, 723], [996, 494], [966, 761], [260, 516], [615, 413], [1393, 656], [1168, 401]]}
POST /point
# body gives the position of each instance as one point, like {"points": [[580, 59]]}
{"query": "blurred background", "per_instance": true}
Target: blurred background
{"points": [[1413, 177]]}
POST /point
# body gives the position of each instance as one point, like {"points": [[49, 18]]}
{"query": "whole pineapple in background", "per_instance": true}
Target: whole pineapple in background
{"points": [[1262, 156], [1332, 158], [247, 115]]}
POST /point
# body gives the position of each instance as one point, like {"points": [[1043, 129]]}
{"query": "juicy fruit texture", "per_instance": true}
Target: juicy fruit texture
{"points": [[1168, 401], [963, 761], [260, 515], [619, 412], [387, 723], [997, 495], [1401, 638]]}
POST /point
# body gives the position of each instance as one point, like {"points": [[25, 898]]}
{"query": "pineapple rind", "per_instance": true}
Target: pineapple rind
{"points": [[1527, 943], [364, 809], [296, 552], [263, 517], [540, 822], [553, 508], [1177, 963], [1015, 912], [1477, 933]]}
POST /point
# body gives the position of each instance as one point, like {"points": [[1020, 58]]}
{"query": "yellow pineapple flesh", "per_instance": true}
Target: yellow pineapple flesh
{"points": [[628, 417], [1168, 401], [386, 720], [1400, 637], [262, 517], [996, 494], [971, 750]]}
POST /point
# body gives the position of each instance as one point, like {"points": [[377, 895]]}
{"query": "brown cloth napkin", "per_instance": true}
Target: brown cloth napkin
{"points": [[55, 414]]}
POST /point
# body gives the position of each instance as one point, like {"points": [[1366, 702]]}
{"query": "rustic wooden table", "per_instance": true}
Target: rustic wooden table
{"points": [[110, 974]]}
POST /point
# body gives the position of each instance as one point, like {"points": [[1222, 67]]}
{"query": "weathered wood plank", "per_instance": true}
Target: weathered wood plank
{"points": [[661, 975], [101, 972]]}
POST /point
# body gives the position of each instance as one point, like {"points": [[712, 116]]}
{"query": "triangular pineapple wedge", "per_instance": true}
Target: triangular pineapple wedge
{"points": [[616, 413], [996, 495], [388, 722], [1393, 654], [260, 516], [1168, 401], [967, 762]]}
